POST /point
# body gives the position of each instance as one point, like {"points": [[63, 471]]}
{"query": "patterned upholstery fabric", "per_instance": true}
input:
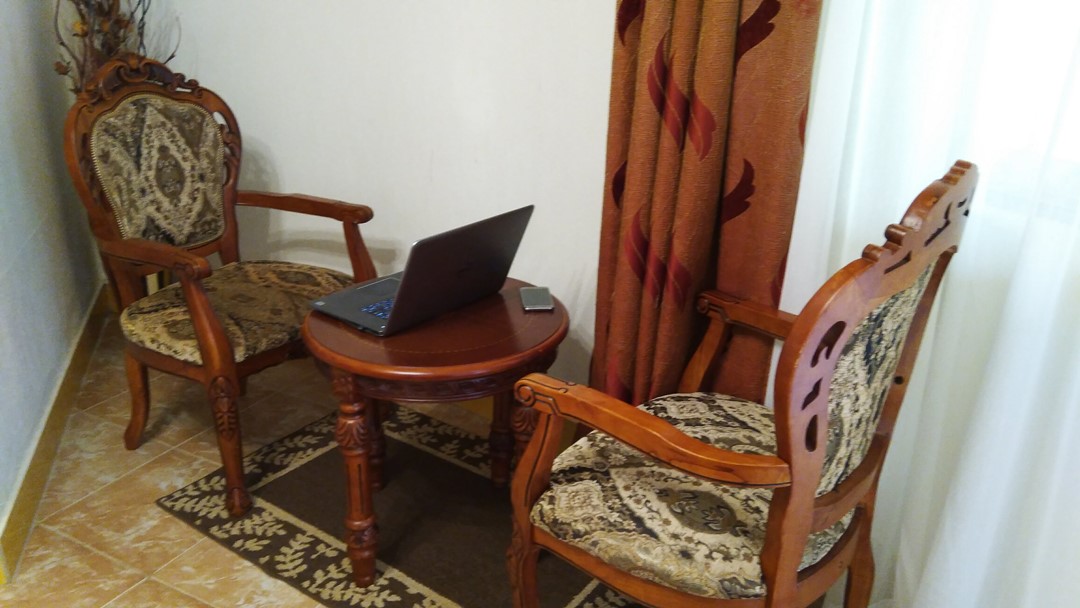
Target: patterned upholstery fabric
{"points": [[160, 164], [260, 305], [864, 373], [664, 525]]}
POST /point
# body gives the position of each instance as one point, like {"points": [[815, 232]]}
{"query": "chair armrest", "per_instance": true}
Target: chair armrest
{"points": [[163, 256], [309, 205], [726, 311], [743, 313], [349, 214], [191, 269], [648, 433]]}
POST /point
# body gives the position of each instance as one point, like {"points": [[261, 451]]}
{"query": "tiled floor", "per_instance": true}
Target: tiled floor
{"points": [[100, 541]]}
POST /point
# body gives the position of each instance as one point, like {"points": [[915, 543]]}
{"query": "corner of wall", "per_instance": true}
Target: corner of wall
{"points": [[16, 528]]}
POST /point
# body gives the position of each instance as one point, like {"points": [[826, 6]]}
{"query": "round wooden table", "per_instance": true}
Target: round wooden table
{"points": [[477, 351]]}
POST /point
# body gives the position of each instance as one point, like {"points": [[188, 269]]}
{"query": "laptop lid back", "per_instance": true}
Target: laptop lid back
{"points": [[449, 270]]}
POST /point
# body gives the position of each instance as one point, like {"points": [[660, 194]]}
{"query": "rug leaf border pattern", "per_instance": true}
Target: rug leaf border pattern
{"points": [[311, 560]]}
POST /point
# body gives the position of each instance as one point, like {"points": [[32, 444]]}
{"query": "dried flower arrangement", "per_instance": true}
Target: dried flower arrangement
{"points": [[102, 30]]}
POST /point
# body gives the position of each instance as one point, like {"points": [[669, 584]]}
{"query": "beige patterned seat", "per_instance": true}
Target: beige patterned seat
{"points": [[155, 158], [702, 499], [663, 524], [260, 304]]}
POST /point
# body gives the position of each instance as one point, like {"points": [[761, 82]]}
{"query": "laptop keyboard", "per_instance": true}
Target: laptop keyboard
{"points": [[381, 308]]}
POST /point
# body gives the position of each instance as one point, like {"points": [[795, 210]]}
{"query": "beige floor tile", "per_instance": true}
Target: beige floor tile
{"points": [[91, 455], [216, 576], [122, 520], [172, 421], [104, 379], [154, 594], [57, 571], [179, 409]]}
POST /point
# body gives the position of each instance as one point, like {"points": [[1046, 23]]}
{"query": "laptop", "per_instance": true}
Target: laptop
{"points": [[443, 273]]}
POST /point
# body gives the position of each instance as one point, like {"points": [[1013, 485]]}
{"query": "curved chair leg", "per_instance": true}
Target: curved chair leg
{"points": [[227, 422], [860, 580], [140, 401], [521, 560]]}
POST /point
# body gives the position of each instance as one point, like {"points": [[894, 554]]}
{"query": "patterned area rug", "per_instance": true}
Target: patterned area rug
{"points": [[443, 528]]}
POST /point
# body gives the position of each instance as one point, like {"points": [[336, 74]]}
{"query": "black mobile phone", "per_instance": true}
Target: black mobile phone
{"points": [[536, 298]]}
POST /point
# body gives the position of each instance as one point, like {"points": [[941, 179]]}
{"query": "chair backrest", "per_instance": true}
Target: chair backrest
{"points": [[155, 156], [845, 365]]}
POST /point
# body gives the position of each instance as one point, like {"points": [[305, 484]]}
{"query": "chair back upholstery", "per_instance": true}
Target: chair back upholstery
{"points": [[160, 163], [844, 368], [864, 374], [155, 156]]}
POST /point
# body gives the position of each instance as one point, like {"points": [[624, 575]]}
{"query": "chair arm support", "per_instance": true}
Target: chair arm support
{"points": [[349, 214], [726, 311], [308, 205], [772, 322], [648, 433], [164, 256], [191, 269]]}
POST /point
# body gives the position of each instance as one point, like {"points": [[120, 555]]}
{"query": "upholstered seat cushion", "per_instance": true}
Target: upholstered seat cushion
{"points": [[661, 524], [260, 305]]}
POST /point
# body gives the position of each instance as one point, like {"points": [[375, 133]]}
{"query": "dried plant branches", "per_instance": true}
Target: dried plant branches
{"points": [[101, 30]]}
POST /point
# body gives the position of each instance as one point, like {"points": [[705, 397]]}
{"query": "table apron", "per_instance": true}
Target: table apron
{"points": [[449, 389]]}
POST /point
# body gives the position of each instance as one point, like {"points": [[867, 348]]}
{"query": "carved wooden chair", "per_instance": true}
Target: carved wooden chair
{"points": [[702, 499], [155, 159]]}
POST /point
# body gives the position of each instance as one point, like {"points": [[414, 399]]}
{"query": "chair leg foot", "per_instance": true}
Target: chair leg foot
{"points": [[237, 501], [140, 401], [227, 423]]}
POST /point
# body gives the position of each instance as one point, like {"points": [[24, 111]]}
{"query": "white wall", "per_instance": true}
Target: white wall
{"points": [[48, 267], [433, 113]]}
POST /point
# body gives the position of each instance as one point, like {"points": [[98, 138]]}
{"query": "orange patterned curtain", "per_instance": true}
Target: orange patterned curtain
{"points": [[708, 107]]}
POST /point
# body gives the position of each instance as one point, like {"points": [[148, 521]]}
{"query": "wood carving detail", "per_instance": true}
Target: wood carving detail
{"points": [[941, 228], [363, 539], [136, 70], [344, 386], [226, 413], [352, 433], [828, 342], [444, 390], [529, 397], [523, 422]]}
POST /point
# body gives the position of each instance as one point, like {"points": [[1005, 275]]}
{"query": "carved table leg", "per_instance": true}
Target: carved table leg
{"points": [[353, 435], [374, 414], [523, 424], [501, 440]]}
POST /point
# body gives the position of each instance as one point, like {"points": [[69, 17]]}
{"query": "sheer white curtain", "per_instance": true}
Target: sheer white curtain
{"points": [[980, 501]]}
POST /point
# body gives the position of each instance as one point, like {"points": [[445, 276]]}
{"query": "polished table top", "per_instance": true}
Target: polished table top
{"points": [[489, 337]]}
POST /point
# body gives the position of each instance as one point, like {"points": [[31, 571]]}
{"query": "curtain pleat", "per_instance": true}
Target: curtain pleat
{"points": [[675, 68]]}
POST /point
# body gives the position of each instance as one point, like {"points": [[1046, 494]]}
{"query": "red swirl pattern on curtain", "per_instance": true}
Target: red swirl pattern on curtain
{"points": [[674, 81]]}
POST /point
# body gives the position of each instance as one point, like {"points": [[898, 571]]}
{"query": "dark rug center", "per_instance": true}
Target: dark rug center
{"points": [[443, 528]]}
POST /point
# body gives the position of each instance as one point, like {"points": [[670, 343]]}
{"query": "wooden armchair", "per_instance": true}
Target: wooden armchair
{"points": [[702, 499], [155, 159]]}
